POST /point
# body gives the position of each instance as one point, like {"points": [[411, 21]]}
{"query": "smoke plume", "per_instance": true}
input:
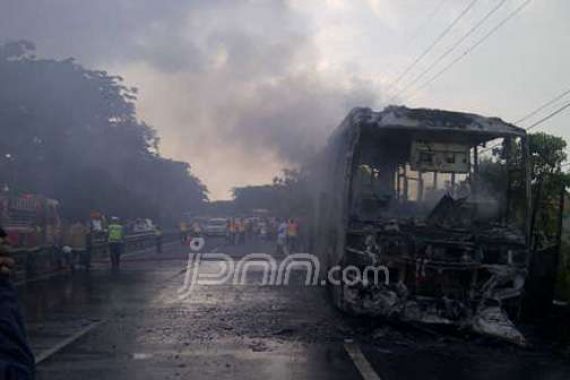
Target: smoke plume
{"points": [[237, 88]]}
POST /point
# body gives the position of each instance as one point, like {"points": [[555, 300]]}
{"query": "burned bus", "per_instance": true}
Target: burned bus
{"points": [[415, 191]]}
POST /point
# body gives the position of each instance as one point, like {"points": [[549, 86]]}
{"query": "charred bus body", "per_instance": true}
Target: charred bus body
{"points": [[407, 190]]}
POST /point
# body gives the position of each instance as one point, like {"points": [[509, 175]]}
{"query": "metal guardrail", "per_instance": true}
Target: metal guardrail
{"points": [[32, 262], [132, 242]]}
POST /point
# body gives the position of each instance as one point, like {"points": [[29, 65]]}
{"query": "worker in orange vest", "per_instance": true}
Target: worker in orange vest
{"points": [[241, 231], [233, 231]]}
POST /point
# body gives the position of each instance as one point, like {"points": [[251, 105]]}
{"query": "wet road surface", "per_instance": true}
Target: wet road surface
{"points": [[135, 325]]}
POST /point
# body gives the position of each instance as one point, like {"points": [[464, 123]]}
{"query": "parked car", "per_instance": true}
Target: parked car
{"points": [[143, 225], [216, 227]]}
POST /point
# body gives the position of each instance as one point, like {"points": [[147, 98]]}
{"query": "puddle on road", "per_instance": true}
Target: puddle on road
{"points": [[141, 356], [276, 360]]}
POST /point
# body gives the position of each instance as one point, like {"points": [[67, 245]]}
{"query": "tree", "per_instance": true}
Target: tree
{"points": [[249, 198], [547, 154], [287, 196], [72, 134]]}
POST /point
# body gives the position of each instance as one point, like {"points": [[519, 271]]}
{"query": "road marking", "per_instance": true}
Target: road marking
{"points": [[44, 355], [360, 361], [66, 342]]}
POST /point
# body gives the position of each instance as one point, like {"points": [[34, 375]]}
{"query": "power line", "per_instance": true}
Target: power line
{"points": [[428, 19], [435, 42], [536, 124], [454, 46], [551, 115], [543, 106], [476, 45], [536, 111]]}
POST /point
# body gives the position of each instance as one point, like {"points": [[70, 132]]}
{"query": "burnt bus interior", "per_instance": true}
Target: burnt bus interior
{"points": [[400, 175], [429, 201]]}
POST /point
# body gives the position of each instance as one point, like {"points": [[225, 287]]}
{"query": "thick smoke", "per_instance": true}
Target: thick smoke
{"points": [[234, 87]]}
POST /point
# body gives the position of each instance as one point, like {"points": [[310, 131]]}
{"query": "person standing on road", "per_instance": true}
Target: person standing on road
{"points": [[236, 231], [76, 240], [115, 238], [292, 235], [196, 229], [282, 238], [263, 231], [241, 231], [233, 231], [229, 231], [183, 228], [16, 358]]}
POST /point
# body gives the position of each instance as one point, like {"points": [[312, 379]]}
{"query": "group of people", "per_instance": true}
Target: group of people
{"points": [[16, 358], [77, 241], [239, 230], [286, 232]]}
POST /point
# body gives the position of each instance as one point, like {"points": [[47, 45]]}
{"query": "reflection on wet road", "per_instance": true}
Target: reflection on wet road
{"points": [[134, 325]]}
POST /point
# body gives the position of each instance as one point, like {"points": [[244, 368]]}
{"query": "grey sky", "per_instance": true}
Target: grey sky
{"points": [[241, 88]]}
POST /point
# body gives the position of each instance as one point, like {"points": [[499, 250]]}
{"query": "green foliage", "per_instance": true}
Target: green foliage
{"points": [[287, 196], [248, 198], [547, 156], [547, 153], [72, 134]]}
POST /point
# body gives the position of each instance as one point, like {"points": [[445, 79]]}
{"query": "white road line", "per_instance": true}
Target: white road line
{"points": [[360, 361], [66, 342]]}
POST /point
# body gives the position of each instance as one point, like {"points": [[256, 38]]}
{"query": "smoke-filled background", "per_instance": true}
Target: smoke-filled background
{"points": [[242, 88]]}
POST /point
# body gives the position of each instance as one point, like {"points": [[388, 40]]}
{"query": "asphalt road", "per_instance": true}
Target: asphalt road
{"points": [[138, 324]]}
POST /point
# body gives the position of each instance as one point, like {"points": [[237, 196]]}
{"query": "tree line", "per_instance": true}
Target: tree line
{"points": [[72, 134]]}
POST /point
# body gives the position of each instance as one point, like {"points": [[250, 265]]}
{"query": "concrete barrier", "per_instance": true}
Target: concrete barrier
{"points": [[39, 261]]}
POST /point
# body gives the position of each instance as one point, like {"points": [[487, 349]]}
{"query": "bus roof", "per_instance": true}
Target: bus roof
{"points": [[423, 119]]}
